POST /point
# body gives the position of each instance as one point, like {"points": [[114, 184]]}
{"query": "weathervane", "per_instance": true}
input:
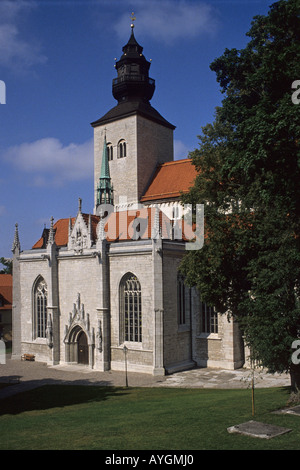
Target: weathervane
{"points": [[133, 18]]}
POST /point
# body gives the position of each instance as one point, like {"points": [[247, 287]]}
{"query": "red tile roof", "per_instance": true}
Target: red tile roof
{"points": [[6, 291], [119, 226], [170, 180], [6, 280]]}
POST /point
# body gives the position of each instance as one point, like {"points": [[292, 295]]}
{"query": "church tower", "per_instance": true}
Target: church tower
{"points": [[136, 136]]}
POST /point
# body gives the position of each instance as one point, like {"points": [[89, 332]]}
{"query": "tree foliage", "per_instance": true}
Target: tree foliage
{"points": [[8, 266], [248, 165]]}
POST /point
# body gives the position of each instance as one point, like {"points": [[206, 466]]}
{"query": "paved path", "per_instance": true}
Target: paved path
{"points": [[28, 375]]}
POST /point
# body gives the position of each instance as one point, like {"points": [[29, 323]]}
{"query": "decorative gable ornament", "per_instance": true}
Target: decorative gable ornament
{"points": [[78, 318], [49, 332], [99, 337], [80, 234]]}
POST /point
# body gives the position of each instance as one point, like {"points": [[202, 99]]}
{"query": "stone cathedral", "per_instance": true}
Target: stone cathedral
{"points": [[101, 285]]}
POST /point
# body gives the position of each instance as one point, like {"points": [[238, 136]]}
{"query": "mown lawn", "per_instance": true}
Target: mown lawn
{"points": [[108, 418]]}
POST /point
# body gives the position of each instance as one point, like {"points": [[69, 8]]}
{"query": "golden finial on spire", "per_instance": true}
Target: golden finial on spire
{"points": [[133, 18]]}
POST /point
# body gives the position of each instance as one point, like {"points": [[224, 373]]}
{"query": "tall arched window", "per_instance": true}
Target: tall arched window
{"points": [[130, 308], [122, 150], [110, 151], [40, 308], [183, 301]]}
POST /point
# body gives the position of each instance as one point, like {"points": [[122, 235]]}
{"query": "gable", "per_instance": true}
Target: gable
{"points": [[61, 229]]}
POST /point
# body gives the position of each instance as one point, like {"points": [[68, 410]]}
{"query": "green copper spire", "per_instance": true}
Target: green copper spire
{"points": [[105, 165], [105, 189]]}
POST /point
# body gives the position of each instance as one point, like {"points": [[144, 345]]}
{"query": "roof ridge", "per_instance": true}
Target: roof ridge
{"points": [[173, 162], [74, 217]]}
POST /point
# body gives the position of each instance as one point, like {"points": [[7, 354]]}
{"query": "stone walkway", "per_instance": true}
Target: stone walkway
{"points": [[225, 379], [25, 375]]}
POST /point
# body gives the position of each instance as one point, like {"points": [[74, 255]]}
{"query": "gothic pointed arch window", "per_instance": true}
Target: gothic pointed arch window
{"points": [[40, 297], [130, 309], [184, 299]]}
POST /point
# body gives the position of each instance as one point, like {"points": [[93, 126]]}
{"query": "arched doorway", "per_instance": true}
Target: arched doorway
{"points": [[77, 346], [79, 338], [82, 348]]}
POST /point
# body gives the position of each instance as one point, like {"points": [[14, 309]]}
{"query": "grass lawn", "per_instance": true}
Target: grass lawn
{"points": [[108, 418]]}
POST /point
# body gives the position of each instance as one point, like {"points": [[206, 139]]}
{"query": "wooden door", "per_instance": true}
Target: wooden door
{"points": [[83, 349]]}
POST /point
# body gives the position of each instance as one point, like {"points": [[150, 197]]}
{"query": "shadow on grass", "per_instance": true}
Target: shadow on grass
{"points": [[56, 395]]}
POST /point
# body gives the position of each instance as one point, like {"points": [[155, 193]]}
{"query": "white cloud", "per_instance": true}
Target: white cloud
{"points": [[180, 150], [16, 52], [50, 163], [10, 8], [2, 210], [171, 20]]}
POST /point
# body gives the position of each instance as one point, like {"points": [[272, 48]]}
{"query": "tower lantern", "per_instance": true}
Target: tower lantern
{"points": [[133, 81]]}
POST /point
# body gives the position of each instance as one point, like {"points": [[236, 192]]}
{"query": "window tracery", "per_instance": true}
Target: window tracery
{"points": [[40, 309], [131, 308]]}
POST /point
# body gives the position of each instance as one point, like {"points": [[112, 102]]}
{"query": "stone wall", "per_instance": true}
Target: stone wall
{"points": [[221, 350], [154, 146], [79, 275], [135, 258], [32, 267], [177, 337], [123, 171]]}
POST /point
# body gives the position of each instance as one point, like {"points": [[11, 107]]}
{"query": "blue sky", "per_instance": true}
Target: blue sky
{"points": [[57, 62]]}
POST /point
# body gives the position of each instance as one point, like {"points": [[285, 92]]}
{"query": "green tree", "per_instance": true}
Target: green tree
{"points": [[248, 165], [8, 266]]}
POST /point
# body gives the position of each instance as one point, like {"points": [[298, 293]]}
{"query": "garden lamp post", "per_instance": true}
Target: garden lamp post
{"points": [[125, 349]]}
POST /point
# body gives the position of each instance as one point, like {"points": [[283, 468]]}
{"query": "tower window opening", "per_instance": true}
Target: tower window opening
{"points": [[110, 151], [122, 150]]}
